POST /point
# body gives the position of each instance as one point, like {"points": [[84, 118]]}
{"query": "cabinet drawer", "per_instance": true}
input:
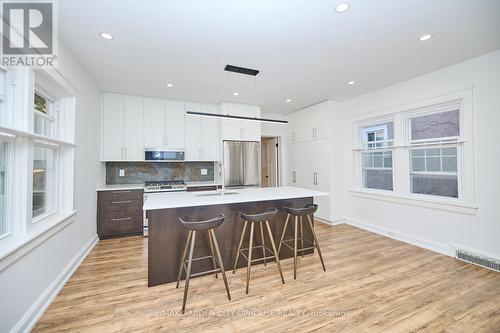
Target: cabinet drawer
{"points": [[202, 188], [120, 195], [120, 208], [116, 226]]}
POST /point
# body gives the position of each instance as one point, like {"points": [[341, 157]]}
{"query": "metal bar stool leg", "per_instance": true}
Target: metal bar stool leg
{"points": [[249, 263], [295, 249], [275, 251], [239, 246], [188, 271], [184, 253], [316, 242], [283, 233], [211, 245], [221, 264], [263, 243], [301, 238]]}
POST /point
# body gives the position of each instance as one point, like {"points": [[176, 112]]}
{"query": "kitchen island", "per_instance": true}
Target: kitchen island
{"points": [[167, 237]]}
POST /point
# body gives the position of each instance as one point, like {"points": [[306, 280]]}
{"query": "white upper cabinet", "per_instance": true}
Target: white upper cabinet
{"points": [[201, 133], [174, 136], [133, 115], [112, 127], [244, 130], [122, 128], [154, 123], [309, 124]]}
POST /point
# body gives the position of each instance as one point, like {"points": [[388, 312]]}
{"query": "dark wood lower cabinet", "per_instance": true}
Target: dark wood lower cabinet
{"points": [[119, 213]]}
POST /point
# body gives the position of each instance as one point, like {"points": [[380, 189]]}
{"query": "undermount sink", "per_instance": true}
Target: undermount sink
{"points": [[216, 194]]}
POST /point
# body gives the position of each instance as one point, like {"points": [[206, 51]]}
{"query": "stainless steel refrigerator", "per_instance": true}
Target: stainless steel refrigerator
{"points": [[241, 163]]}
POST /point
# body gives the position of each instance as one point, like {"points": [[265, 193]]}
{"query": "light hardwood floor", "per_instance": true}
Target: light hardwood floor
{"points": [[372, 284]]}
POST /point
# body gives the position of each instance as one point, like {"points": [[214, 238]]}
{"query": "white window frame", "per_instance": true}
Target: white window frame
{"points": [[466, 202], [24, 231]]}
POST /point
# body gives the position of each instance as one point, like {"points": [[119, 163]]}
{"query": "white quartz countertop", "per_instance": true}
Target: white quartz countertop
{"points": [[120, 187], [192, 199]]}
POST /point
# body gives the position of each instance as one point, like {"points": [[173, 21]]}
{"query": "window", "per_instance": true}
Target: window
{"points": [[40, 150], [430, 144], [4, 176], [433, 165], [3, 97], [377, 156], [44, 181], [44, 120]]}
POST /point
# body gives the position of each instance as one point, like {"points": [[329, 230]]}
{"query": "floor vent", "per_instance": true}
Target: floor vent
{"points": [[478, 260]]}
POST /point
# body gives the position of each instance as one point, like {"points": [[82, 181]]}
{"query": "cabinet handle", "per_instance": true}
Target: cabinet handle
{"points": [[121, 152], [122, 202], [126, 152], [294, 176], [117, 192], [122, 219], [315, 134]]}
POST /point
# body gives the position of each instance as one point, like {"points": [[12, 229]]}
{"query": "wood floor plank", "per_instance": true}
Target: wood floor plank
{"points": [[372, 284]]}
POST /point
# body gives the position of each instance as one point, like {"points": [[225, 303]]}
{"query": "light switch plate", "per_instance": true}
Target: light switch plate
{"points": [[122, 172], [203, 172]]}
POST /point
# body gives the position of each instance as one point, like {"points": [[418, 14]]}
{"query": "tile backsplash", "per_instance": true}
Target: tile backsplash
{"points": [[139, 172]]}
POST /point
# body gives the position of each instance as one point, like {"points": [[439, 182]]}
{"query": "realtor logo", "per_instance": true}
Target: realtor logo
{"points": [[28, 33]]}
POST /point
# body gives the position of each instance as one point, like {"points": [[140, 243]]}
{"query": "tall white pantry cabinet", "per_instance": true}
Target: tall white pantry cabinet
{"points": [[308, 142]]}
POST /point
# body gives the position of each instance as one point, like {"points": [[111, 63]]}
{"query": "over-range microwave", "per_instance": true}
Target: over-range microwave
{"points": [[158, 154]]}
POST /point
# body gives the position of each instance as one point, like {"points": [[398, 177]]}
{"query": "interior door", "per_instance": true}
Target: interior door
{"points": [[233, 163]]}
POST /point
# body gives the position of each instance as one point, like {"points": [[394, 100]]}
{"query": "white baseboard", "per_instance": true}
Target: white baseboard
{"points": [[410, 239], [35, 312], [333, 222]]}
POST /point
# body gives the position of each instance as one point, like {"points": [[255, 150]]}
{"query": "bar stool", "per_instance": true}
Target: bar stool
{"points": [[257, 218], [194, 227], [298, 214]]}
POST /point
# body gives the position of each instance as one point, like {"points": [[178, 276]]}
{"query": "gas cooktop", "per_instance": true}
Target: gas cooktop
{"points": [[165, 185]]}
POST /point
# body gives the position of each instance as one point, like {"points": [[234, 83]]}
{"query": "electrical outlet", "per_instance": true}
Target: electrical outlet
{"points": [[203, 172], [122, 172]]}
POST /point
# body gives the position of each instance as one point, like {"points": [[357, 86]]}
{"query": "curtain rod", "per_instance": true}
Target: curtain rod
{"points": [[236, 117]]}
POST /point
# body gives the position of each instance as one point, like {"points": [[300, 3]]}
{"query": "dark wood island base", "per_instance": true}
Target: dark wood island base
{"points": [[167, 237]]}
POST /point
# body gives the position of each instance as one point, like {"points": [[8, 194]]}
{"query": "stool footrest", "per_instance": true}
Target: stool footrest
{"points": [[300, 250], [299, 239], [257, 247]]}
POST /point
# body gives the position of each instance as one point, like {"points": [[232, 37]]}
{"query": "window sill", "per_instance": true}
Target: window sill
{"points": [[450, 205], [13, 249]]}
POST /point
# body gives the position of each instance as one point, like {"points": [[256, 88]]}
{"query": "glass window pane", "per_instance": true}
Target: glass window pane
{"points": [[388, 159], [433, 152], [449, 164], [3, 186], [452, 151], [44, 183], [367, 160], [371, 137], [437, 125], [441, 185], [418, 152], [378, 179], [377, 160], [433, 164], [418, 164], [40, 103]]}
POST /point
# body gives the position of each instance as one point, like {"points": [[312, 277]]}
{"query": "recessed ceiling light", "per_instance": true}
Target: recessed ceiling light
{"points": [[107, 36], [170, 85], [425, 37], [236, 94], [351, 83], [342, 7], [288, 100]]}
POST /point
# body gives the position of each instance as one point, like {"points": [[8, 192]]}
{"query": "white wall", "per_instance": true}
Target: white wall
{"points": [[28, 283], [428, 227]]}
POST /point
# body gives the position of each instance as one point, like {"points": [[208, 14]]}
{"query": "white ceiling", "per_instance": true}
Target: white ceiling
{"points": [[304, 49]]}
